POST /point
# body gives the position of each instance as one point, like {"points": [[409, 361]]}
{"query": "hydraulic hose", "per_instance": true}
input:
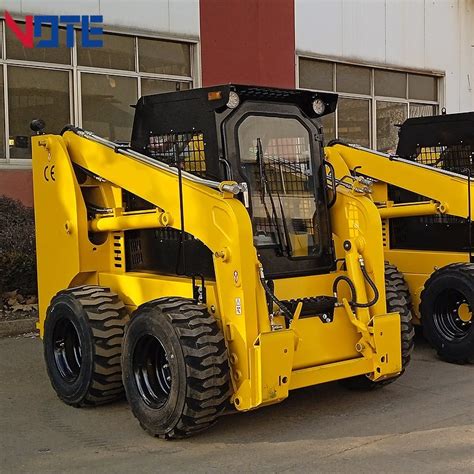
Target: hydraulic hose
{"points": [[286, 312], [351, 286], [353, 301], [374, 289]]}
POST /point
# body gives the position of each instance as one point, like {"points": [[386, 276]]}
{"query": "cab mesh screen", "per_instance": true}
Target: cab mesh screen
{"points": [[180, 149]]}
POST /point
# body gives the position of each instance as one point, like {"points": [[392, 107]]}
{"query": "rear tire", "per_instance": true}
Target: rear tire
{"points": [[395, 290], [175, 368], [82, 345], [396, 278], [446, 311]]}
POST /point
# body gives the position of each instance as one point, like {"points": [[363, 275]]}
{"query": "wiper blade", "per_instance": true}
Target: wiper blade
{"points": [[266, 188], [285, 227]]}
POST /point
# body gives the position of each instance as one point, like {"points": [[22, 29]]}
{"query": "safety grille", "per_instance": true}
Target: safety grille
{"points": [[186, 150], [135, 250], [456, 158]]}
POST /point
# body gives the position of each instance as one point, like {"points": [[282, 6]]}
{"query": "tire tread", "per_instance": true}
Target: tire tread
{"points": [[107, 317], [206, 361]]}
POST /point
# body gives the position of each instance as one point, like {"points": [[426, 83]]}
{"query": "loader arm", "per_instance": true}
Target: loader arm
{"points": [[448, 190], [225, 227]]}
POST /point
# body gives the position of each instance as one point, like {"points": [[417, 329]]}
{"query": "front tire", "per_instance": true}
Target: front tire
{"points": [[82, 344], [175, 368], [396, 291], [446, 311]]}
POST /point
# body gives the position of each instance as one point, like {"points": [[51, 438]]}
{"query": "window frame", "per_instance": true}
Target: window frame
{"points": [[438, 104], [20, 162], [75, 71]]}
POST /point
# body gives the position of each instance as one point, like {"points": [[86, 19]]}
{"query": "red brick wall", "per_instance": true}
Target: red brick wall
{"points": [[17, 184], [248, 42]]}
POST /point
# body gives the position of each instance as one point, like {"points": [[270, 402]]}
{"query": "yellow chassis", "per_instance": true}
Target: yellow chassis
{"points": [[265, 364]]}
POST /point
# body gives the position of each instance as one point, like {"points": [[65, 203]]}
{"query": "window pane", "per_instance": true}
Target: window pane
{"points": [[354, 121], [285, 167], [390, 83], [61, 55], [329, 127], [354, 79], [2, 117], [164, 57], [106, 105], [422, 87], [389, 114], [35, 93], [316, 74], [154, 86], [422, 110], [118, 52]]}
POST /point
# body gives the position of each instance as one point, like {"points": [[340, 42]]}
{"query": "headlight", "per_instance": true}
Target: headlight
{"points": [[233, 101], [319, 106]]}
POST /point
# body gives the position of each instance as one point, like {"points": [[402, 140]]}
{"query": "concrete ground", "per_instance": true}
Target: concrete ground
{"points": [[424, 422]]}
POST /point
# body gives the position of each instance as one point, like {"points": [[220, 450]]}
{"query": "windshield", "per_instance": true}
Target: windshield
{"points": [[275, 153]]}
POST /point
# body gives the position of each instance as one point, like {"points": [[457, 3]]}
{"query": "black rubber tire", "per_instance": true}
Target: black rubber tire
{"points": [[453, 341], [196, 360], [395, 290], [397, 279], [82, 345]]}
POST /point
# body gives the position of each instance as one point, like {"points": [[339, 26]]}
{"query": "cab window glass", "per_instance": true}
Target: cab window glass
{"points": [[276, 155]]}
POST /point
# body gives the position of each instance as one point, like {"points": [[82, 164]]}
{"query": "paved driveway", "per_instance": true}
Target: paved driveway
{"points": [[424, 422]]}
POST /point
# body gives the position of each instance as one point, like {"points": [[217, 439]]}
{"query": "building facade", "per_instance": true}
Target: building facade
{"points": [[387, 60]]}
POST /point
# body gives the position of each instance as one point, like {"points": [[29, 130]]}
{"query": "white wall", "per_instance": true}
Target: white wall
{"points": [[175, 18], [423, 34]]}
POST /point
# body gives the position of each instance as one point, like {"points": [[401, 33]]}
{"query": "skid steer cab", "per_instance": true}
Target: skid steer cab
{"points": [[205, 266]]}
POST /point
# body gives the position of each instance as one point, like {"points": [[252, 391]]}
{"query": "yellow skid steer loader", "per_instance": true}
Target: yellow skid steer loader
{"points": [[425, 195], [203, 266]]}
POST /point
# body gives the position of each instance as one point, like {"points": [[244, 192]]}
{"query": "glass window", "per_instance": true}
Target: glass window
{"points": [[106, 105], [316, 74], [390, 83], [35, 93], [276, 155], [422, 110], [2, 117], [118, 52], [422, 87], [389, 115], [354, 121], [164, 57], [354, 114], [155, 86], [329, 127], [61, 55], [353, 79]]}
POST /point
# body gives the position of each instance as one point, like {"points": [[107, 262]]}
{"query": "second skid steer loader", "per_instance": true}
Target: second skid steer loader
{"points": [[203, 266], [425, 196]]}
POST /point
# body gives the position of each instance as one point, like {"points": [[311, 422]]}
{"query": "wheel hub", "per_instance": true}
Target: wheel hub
{"points": [[464, 313], [452, 314], [151, 369], [67, 350]]}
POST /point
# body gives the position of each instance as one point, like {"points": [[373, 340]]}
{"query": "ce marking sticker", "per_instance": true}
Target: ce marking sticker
{"points": [[48, 173]]}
